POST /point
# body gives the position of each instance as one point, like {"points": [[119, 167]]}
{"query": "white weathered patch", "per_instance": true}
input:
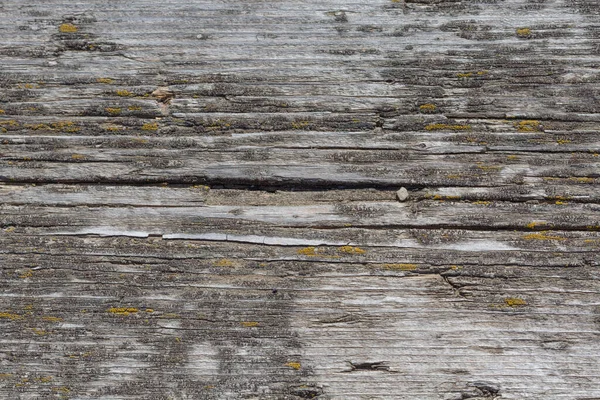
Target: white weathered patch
{"points": [[203, 359], [479, 245]]}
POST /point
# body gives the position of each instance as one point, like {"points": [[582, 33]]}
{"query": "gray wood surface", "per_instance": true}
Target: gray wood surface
{"points": [[198, 199]]}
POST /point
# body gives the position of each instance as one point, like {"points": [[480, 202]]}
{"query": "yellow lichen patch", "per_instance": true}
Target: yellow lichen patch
{"points": [[352, 250], [38, 127], [456, 267], [112, 128], [113, 110], [149, 310], [514, 302], [67, 28], [5, 376], [563, 141], [315, 252], [401, 267], [150, 127], [512, 157], [78, 157], [63, 126], [560, 203], [308, 251], [84, 355], [535, 224], [470, 74], [219, 124], [542, 236], [483, 203], [39, 332], [582, 179], [9, 229], [293, 364], [124, 93], [52, 319], [44, 379], [26, 274], [249, 324], [299, 124], [134, 108], [428, 107], [203, 187], [528, 126], [61, 389], [105, 80], [562, 197], [224, 262], [11, 316], [122, 310], [488, 167], [2, 111], [523, 32], [449, 127], [11, 123]]}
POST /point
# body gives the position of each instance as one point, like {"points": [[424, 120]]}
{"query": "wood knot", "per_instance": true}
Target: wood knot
{"points": [[163, 94]]}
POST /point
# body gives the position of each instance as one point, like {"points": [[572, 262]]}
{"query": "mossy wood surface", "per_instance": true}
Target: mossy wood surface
{"points": [[198, 199]]}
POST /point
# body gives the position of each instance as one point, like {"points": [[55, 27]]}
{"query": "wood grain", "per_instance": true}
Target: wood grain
{"points": [[198, 200]]}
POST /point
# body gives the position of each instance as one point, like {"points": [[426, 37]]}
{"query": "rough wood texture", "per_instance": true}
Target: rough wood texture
{"points": [[198, 199]]}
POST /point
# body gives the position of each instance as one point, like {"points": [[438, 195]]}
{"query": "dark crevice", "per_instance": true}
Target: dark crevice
{"points": [[480, 390], [306, 391], [268, 185], [254, 184], [455, 287], [250, 184], [381, 366]]}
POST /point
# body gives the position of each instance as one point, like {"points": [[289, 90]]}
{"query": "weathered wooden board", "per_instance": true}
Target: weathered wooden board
{"points": [[198, 199]]}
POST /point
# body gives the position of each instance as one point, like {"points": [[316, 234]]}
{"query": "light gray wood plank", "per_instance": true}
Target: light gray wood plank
{"points": [[241, 239]]}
